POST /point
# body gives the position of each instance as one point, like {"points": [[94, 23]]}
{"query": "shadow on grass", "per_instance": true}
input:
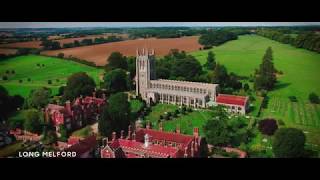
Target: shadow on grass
{"points": [[281, 86]]}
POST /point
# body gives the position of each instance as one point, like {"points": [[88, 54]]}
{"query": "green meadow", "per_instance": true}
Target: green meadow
{"points": [[187, 122], [300, 77], [34, 76]]}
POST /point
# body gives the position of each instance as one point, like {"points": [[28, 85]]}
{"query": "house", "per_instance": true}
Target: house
{"points": [[150, 143], [77, 114], [234, 104], [83, 147]]}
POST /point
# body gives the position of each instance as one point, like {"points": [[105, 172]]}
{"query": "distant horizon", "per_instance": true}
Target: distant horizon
{"points": [[40, 25]]}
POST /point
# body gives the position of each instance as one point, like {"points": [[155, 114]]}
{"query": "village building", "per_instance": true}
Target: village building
{"points": [[192, 94], [234, 104], [150, 143], [75, 115]]}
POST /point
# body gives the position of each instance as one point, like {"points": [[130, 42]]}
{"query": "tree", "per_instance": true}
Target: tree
{"points": [[220, 75], [116, 60], [265, 76], [203, 149], [314, 98], [60, 55], [116, 81], [288, 143], [33, 121], [216, 129], [268, 126], [78, 84], [39, 98], [211, 62], [8, 104], [215, 38], [115, 115], [63, 133], [131, 61], [189, 68], [246, 87]]}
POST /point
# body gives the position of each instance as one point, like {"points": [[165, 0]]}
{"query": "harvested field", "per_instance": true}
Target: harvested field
{"points": [[99, 53], [7, 51], [36, 44], [28, 44]]}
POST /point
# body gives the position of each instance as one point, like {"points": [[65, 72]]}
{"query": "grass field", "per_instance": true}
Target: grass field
{"points": [[135, 105], [54, 69], [11, 149], [301, 76], [187, 122]]}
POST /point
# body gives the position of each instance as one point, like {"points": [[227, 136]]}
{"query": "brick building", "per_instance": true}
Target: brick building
{"points": [[76, 114], [149, 143]]}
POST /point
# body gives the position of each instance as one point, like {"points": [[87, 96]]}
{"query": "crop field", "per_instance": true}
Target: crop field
{"points": [[35, 71], [99, 53], [37, 44], [300, 77], [7, 51]]}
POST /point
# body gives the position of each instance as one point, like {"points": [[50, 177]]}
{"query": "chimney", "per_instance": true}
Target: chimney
{"points": [[178, 129], [114, 136], [137, 52], [146, 140], [94, 94], [122, 134], [192, 149], [68, 107], [185, 152], [196, 132], [134, 136], [129, 132], [104, 96], [196, 146], [105, 141], [160, 126], [148, 125]]}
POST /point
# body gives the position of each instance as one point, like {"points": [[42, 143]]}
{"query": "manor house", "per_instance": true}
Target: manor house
{"points": [[193, 94]]}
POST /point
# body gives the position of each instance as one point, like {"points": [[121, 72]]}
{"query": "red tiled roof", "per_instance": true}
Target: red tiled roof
{"points": [[231, 99], [160, 135], [83, 146], [151, 150]]}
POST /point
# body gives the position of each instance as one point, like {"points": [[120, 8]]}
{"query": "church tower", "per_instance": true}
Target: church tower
{"points": [[145, 71]]}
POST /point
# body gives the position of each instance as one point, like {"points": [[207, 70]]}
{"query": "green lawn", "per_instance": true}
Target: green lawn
{"points": [[11, 149], [83, 132], [300, 67], [54, 68], [186, 122], [301, 76], [135, 105]]}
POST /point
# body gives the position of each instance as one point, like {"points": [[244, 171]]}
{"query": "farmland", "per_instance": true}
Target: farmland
{"points": [[7, 51], [37, 44], [99, 53], [54, 69], [300, 77]]}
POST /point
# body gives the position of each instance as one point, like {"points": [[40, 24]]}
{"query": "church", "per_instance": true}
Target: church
{"points": [[192, 94]]}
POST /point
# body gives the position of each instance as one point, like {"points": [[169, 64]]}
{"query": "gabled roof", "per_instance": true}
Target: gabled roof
{"points": [[232, 99], [134, 147], [83, 146], [161, 135]]}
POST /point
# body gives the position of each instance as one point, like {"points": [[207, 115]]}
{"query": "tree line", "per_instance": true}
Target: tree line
{"points": [[309, 40], [54, 45], [216, 37]]}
